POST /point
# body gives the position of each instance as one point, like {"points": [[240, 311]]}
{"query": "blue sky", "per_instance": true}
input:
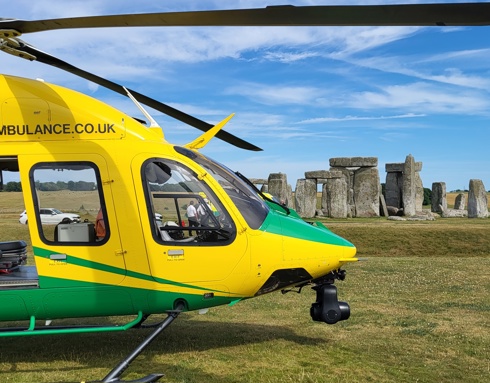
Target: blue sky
{"points": [[304, 95]]}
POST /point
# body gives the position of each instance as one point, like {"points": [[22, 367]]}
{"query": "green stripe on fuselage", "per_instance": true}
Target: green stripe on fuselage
{"points": [[293, 226], [45, 282]]}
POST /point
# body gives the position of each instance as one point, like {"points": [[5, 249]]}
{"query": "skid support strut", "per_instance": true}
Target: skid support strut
{"points": [[115, 374]]}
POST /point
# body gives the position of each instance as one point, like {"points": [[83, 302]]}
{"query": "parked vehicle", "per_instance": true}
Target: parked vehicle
{"points": [[50, 216]]}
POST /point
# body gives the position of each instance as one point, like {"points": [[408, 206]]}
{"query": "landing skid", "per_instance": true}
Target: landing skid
{"points": [[115, 375]]}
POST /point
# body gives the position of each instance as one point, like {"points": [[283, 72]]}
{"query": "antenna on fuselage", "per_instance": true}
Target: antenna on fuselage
{"points": [[153, 123]]}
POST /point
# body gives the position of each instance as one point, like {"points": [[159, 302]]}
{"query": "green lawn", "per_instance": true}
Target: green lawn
{"points": [[420, 312]]}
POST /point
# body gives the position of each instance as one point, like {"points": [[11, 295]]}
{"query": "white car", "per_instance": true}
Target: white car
{"points": [[51, 216], [158, 219]]}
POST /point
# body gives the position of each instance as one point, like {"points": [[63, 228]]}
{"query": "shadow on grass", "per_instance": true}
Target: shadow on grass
{"points": [[105, 350]]}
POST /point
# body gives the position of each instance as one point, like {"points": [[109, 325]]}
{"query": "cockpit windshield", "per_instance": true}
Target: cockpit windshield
{"points": [[245, 198]]}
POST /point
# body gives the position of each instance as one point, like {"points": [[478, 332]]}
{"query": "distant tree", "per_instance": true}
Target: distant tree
{"points": [[427, 196], [61, 185], [85, 186], [13, 187], [48, 186]]}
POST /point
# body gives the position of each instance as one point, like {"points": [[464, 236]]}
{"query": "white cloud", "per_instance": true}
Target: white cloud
{"points": [[438, 72], [358, 39], [422, 98], [276, 94], [358, 118]]}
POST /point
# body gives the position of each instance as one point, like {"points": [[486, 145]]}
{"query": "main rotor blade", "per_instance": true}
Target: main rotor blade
{"points": [[286, 15], [157, 105]]}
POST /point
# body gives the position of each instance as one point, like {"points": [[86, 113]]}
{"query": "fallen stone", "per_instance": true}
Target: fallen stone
{"points": [[454, 213], [396, 218]]}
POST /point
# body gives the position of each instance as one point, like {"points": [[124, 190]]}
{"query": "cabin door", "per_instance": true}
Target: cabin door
{"points": [[72, 220], [190, 236]]}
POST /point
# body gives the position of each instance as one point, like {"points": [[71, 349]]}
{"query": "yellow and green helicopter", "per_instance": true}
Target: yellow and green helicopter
{"points": [[164, 229]]}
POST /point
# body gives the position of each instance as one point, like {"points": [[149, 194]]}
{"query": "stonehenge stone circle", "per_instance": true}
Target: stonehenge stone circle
{"points": [[352, 188]]}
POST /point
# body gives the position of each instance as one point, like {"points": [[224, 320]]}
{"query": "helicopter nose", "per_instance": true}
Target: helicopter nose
{"points": [[315, 243], [350, 253]]}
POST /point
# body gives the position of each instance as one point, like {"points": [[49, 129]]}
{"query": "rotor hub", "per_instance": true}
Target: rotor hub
{"points": [[10, 43]]}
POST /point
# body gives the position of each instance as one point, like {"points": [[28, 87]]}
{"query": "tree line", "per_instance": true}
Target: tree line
{"points": [[14, 186]]}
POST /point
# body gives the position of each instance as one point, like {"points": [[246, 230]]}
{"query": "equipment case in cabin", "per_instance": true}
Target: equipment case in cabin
{"points": [[76, 232], [12, 255]]}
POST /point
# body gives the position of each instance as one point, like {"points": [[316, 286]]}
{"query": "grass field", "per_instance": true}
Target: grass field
{"points": [[420, 312]]}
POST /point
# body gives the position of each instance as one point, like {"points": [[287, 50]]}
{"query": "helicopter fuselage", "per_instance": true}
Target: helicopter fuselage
{"points": [[138, 249]]}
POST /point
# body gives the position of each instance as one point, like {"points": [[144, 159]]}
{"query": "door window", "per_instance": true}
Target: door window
{"points": [[68, 203]]}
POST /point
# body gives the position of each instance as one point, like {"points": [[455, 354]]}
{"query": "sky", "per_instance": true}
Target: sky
{"points": [[302, 94]]}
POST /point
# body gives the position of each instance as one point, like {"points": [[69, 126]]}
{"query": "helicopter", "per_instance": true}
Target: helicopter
{"points": [[166, 228]]}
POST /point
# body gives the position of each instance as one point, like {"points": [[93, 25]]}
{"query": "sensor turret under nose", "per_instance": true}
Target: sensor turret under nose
{"points": [[327, 307]]}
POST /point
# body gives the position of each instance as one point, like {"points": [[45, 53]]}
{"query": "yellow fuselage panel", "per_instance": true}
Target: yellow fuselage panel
{"points": [[38, 111]]}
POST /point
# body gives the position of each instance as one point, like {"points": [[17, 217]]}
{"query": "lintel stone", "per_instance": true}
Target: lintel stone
{"points": [[323, 174], [398, 167], [258, 181], [354, 162]]}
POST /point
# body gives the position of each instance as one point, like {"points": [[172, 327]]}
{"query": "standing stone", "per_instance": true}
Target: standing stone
{"points": [[289, 198], [419, 193], [477, 200], [349, 178], [460, 201], [305, 197], [325, 203], [278, 186], [335, 190], [438, 198], [383, 209], [366, 192], [394, 185], [409, 208]]}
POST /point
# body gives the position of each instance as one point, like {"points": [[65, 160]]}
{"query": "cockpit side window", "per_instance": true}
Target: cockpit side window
{"points": [[247, 201], [183, 209], [69, 203]]}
